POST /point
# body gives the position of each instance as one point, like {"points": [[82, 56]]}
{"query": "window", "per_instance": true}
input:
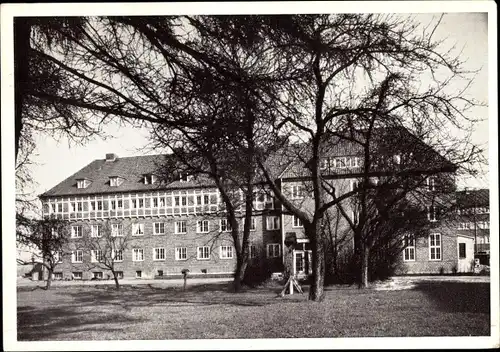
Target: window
{"points": [[59, 207], [58, 257], [159, 202], [461, 251], [297, 222], [181, 253], [77, 256], [96, 256], [137, 203], [224, 226], [323, 165], [114, 181], [483, 224], [340, 163], [117, 255], [159, 228], [183, 201], [160, 273], [226, 252], [76, 206], [76, 231], [81, 183], [297, 192], [253, 251], [203, 252], [138, 274], [137, 229], [252, 224], [158, 253], [273, 250], [273, 223], [354, 162], [97, 275], [183, 177], [96, 205], [116, 230], [115, 204], [433, 213], [149, 179], [119, 274], [435, 246], [95, 231], [431, 183], [354, 185], [180, 227], [202, 226], [58, 276], [137, 254], [77, 275], [397, 159], [409, 248]]}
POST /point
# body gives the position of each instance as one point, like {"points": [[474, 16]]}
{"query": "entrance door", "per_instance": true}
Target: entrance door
{"points": [[299, 263]]}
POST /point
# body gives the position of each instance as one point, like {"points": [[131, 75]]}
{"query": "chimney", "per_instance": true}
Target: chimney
{"points": [[111, 157]]}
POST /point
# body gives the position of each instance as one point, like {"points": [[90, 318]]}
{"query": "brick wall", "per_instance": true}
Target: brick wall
{"points": [[423, 264], [170, 240]]}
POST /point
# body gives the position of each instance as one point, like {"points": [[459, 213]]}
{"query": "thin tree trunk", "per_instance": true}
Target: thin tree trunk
{"points": [[115, 277], [364, 267]]}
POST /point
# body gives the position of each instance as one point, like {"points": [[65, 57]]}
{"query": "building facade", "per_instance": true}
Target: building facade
{"points": [[179, 225]]}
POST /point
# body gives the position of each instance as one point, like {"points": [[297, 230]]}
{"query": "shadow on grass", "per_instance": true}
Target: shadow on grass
{"points": [[458, 296], [35, 323], [129, 297]]}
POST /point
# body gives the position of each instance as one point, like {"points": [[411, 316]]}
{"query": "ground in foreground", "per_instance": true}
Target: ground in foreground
{"points": [[210, 311]]}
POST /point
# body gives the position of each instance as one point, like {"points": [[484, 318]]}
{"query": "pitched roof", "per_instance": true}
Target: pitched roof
{"points": [[473, 198], [130, 169], [385, 141]]}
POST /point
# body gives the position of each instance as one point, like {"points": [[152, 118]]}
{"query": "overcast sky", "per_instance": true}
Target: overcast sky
{"points": [[56, 161]]}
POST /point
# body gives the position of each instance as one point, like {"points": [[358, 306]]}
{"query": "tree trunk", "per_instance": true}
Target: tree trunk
{"points": [[49, 280], [316, 292], [363, 283], [115, 277], [22, 33], [239, 274]]}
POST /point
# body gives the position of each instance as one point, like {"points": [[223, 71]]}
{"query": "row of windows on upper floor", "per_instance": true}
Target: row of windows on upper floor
{"points": [[205, 201], [180, 227], [470, 225], [472, 211], [159, 253]]}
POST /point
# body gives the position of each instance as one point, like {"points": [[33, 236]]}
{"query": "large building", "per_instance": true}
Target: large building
{"points": [[180, 224], [473, 210]]}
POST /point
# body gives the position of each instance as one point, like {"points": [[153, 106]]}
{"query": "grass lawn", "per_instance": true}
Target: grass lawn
{"points": [[209, 311]]}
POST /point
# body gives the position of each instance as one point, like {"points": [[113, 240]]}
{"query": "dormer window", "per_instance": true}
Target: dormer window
{"points": [[431, 183], [183, 177], [82, 183], [114, 181], [397, 159], [149, 179]]}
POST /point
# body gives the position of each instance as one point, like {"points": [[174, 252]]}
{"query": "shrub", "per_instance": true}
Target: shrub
{"points": [[257, 275]]}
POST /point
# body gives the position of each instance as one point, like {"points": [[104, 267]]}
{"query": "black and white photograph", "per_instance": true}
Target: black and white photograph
{"points": [[249, 175]]}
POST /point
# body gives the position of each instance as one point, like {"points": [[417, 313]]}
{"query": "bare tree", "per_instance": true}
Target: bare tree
{"points": [[313, 76], [106, 245], [47, 238]]}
